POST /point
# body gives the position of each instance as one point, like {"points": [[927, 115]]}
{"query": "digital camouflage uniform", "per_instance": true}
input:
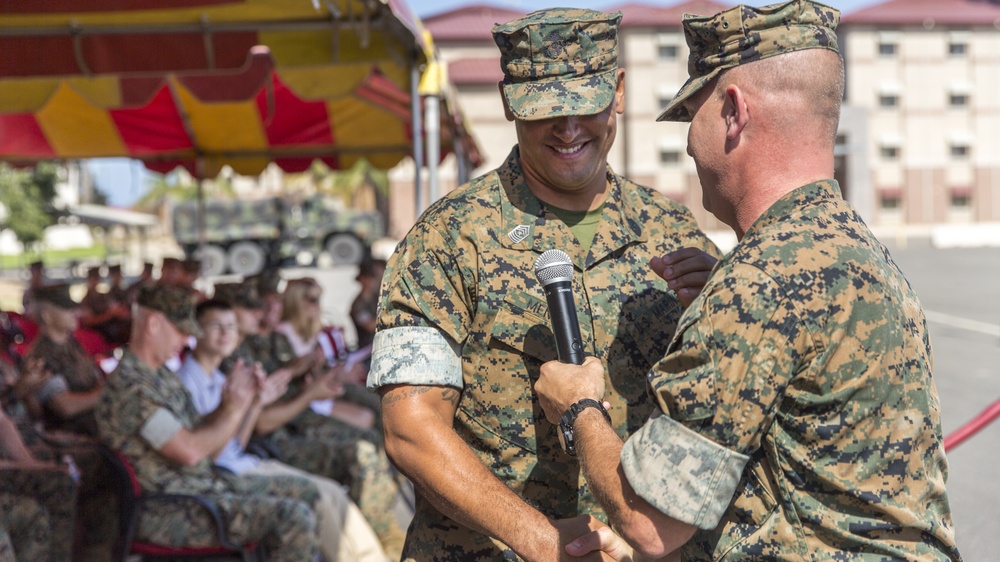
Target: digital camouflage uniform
{"points": [[798, 419], [37, 511], [24, 529], [461, 307], [801, 420], [73, 370], [141, 409], [331, 448]]}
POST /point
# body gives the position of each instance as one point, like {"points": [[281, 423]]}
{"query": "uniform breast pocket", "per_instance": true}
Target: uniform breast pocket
{"points": [[651, 326], [524, 327]]}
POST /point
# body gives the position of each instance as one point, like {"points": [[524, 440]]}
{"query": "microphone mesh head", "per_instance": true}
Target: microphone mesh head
{"points": [[552, 266]]}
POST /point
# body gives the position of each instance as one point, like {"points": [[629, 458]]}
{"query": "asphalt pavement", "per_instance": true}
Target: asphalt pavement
{"points": [[960, 291]]}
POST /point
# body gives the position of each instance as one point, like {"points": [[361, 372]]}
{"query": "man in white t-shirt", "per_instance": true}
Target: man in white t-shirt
{"points": [[343, 531]]}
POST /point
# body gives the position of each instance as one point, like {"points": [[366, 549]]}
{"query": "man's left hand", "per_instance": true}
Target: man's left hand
{"points": [[561, 385], [686, 271]]}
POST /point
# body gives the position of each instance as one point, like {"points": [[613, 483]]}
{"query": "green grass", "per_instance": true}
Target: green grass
{"points": [[54, 257]]}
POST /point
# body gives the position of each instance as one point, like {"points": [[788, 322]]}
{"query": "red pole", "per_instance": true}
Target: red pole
{"points": [[972, 427]]}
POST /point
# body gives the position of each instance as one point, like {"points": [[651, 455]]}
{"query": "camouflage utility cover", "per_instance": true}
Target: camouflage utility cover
{"points": [[465, 271], [176, 303], [799, 405], [746, 34], [557, 62]]}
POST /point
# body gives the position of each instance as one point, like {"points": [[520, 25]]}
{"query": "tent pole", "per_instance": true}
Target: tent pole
{"points": [[433, 128], [418, 147], [202, 236]]}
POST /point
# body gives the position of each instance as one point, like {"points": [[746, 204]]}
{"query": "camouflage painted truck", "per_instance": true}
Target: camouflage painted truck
{"points": [[244, 236]]}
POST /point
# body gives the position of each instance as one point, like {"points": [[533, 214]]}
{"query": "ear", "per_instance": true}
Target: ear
{"points": [[735, 111], [506, 108], [620, 91]]}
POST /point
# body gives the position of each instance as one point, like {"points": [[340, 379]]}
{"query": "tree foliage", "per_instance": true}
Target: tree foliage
{"points": [[26, 199]]}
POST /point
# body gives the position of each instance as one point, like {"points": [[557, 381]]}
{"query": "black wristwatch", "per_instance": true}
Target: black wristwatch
{"points": [[567, 420]]}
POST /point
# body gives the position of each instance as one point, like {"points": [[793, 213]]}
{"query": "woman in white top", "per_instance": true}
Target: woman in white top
{"points": [[301, 323]]}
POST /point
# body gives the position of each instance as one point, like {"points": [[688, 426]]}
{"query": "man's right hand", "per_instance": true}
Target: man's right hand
{"points": [[327, 384], [240, 388]]}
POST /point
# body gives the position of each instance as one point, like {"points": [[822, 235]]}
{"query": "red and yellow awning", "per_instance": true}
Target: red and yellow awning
{"points": [[207, 83]]}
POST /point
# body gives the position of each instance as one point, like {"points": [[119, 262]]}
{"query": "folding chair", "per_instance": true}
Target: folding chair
{"points": [[132, 500]]}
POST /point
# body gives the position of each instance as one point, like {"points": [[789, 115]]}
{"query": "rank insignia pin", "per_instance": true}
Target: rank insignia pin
{"points": [[519, 233]]}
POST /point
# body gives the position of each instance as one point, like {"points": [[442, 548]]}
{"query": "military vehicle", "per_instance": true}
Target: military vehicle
{"points": [[244, 236]]}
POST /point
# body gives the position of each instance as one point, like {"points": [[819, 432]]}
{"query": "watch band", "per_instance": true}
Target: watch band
{"points": [[566, 433]]}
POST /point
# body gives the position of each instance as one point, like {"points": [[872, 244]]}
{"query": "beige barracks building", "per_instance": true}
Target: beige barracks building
{"points": [[919, 141]]}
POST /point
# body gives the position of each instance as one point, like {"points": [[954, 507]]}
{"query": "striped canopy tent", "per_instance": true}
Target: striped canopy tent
{"points": [[207, 83]]}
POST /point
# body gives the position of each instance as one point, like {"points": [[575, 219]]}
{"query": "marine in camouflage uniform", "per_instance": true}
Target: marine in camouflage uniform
{"points": [[73, 370], [461, 307], [142, 408], [24, 529], [37, 510], [320, 444], [798, 418]]}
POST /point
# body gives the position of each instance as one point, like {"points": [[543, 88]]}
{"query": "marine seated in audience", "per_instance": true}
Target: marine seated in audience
{"points": [[312, 441], [344, 533], [147, 415], [68, 398], [37, 502]]}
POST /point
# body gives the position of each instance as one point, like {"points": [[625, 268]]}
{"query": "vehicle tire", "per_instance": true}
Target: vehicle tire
{"points": [[246, 258], [345, 249], [213, 260]]}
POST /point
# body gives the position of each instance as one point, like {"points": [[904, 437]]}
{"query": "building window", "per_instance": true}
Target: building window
{"points": [[888, 100], [668, 46], [961, 198], [886, 49], [890, 199], [957, 49], [958, 100], [889, 152], [667, 52], [669, 156], [959, 151]]}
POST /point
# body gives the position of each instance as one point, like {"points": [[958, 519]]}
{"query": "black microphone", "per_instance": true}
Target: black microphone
{"points": [[555, 272]]}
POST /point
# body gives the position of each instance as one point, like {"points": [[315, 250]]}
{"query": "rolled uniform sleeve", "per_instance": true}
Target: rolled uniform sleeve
{"points": [[716, 389], [159, 428], [416, 356], [423, 314]]}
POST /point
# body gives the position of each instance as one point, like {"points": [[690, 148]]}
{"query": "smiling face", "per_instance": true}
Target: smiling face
{"points": [[564, 158]]}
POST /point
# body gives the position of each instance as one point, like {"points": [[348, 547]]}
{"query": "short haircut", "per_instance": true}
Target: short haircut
{"points": [[209, 305]]}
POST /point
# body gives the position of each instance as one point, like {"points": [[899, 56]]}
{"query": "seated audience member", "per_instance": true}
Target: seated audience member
{"points": [[146, 277], [37, 502], [301, 322], [171, 271], [97, 519], [69, 396], [117, 291], [344, 533], [36, 273], [101, 313], [365, 305], [146, 414], [311, 441]]}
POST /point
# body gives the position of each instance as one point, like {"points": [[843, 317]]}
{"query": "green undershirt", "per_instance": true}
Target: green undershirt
{"points": [[583, 224]]}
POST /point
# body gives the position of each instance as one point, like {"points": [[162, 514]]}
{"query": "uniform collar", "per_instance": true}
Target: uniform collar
{"points": [[794, 202], [528, 226]]}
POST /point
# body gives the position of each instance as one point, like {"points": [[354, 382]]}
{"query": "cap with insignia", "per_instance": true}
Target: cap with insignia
{"points": [[558, 62], [243, 295], [176, 303], [746, 34], [268, 282], [57, 295]]}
